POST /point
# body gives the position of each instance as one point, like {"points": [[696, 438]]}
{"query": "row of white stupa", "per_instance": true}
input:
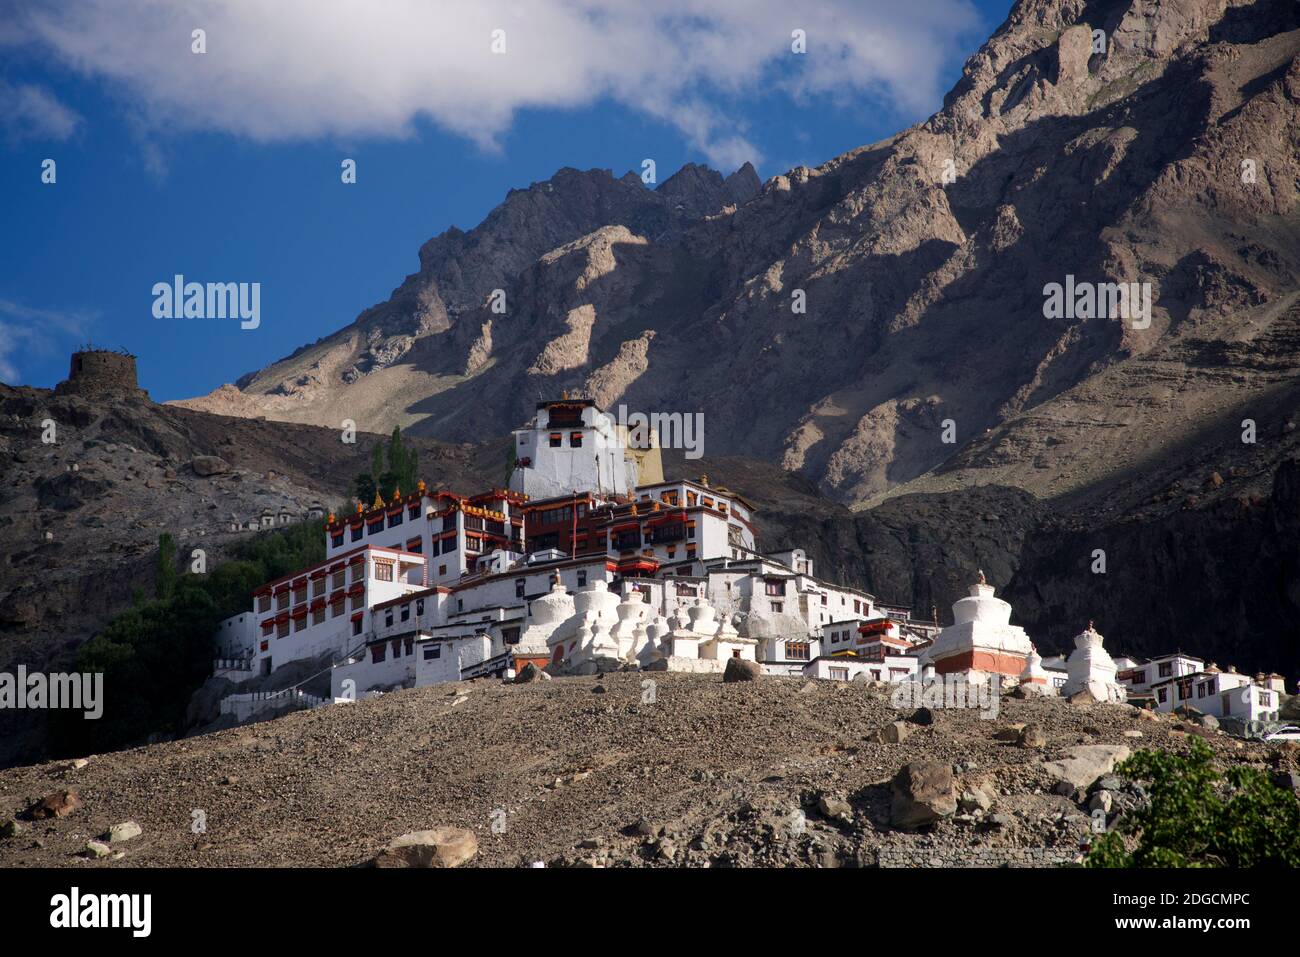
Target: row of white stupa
{"points": [[594, 624]]}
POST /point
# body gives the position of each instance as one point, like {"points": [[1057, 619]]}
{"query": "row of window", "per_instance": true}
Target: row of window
{"points": [[402, 647], [405, 612], [376, 525], [319, 587]]}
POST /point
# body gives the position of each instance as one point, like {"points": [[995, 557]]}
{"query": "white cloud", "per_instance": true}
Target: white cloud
{"points": [[27, 110], [27, 332], [293, 69]]}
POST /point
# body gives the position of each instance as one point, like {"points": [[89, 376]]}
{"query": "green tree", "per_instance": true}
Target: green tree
{"points": [[157, 653], [393, 465], [166, 572], [1197, 816]]}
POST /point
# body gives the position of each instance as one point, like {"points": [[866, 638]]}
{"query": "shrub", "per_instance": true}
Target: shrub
{"points": [[1198, 816]]}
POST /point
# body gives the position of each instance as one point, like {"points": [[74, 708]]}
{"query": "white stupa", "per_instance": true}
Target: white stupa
{"points": [[1090, 668], [1035, 678], [981, 640]]}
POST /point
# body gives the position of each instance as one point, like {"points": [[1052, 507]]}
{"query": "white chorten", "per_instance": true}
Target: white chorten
{"points": [[981, 639], [1035, 677], [1090, 668]]}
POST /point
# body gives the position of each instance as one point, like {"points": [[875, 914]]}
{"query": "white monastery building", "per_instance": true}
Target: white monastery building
{"points": [[591, 561]]}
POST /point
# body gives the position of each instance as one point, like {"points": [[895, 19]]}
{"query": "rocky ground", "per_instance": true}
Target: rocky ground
{"points": [[608, 771]]}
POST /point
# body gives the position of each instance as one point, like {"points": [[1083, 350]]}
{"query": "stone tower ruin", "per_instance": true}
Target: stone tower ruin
{"points": [[101, 373]]}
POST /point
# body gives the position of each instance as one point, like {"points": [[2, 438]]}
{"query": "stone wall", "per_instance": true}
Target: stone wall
{"points": [[909, 854]]}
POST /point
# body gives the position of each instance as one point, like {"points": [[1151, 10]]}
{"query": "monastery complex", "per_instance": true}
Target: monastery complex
{"points": [[592, 561]]}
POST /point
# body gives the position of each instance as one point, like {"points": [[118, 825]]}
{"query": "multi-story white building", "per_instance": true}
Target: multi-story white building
{"points": [[577, 564], [1224, 694]]}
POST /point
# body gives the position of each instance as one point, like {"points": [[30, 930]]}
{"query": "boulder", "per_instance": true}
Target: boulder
{"points": [[1082, 698], [835, 809], [530, 673], [206, 465], [895, 732], [976, 799], [1032, 736], [1010, 733], [921, 793], [741, 669], [923, 716], [437, 847], [1209, 721], [123, 832], [97, 849], [56, 804], [11, 828], [1085, 763]]}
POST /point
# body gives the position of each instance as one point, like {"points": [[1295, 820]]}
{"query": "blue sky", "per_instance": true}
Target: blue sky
{"points": [[233, 174]]}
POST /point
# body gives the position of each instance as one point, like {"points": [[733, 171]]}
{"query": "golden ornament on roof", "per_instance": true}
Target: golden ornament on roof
{"points": [[379, 502]]}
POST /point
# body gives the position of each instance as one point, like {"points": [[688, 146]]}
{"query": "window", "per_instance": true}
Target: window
{"points": [[519, 588], [777, 607], [419, 606], [388, 618], [510, 636], [797, 650], [460, 604], [413, 512], [839, 674], [338, 580], [774, 587], [575, 439], [300, 593], [356, 627], [377, 653], [375, 526], [406, 613], [336, 539], [415, 546], [1167, 669], [356, 533], [432, 652], [442, 569], [395, 519], [582, 577], [1162, 695], [1200, 690], [384, 571], [282, 629], [408, 646], [556, 440], [336, 609], [318, 616], [264, 603]]}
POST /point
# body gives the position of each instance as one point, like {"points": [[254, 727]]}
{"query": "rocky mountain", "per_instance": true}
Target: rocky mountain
{"points": [[929, 384], [1128, 141]]}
